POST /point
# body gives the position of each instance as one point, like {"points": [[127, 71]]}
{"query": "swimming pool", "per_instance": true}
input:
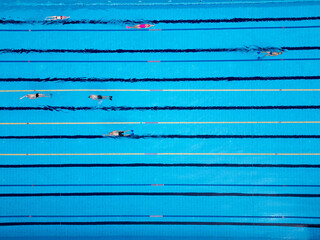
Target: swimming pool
{"points": [[226, 141]]}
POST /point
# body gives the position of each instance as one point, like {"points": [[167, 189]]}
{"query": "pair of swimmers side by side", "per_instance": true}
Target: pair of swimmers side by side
{"points": [[139, 26], [39, 95], [120, 133], [115, 133]]}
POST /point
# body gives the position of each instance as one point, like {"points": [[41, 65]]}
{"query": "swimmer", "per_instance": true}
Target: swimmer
{"points": [[99, 97], [271, 54], [141, 26], [117, 133], [35, 95], [52, 18]]}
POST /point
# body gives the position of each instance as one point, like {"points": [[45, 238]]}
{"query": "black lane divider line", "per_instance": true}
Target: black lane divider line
{"points": [[301, 48], [98, 165], [159, 30], [187, 194], [190, 50], [164, 61], [166, 21], [300, 225], [157, 136], [169, 108], [134, 80]]}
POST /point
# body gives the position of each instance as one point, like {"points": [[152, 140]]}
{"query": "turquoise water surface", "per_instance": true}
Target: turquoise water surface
{"points": [[226, 141]]}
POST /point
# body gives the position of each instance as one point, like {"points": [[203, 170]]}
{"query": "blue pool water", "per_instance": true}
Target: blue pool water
{"points": [[226, 142]]}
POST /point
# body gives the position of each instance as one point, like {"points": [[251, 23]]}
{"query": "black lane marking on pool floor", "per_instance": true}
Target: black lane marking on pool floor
{"points": [[187, 194], [300, 225], [115, 165], [303, 225], [134, 80], [151, 185], [150, 216], [190, 50], [168, 108], [156, 136], [166, 21]]}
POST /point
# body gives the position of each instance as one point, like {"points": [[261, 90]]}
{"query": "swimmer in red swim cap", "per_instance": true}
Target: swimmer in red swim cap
{"points": [[52, 18], [141, 26]]}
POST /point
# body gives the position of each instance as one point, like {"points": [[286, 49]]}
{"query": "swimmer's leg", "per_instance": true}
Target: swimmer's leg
{"points": [[105, 97], [43, 95], [259, 53], [128, 135]]}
